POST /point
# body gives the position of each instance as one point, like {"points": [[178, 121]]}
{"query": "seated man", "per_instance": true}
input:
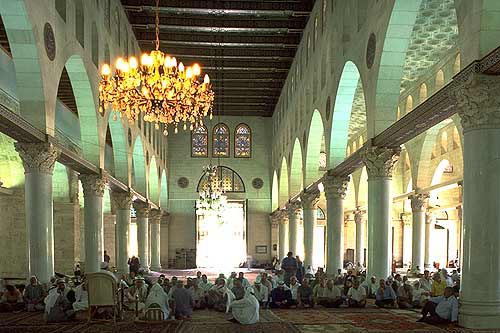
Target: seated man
{"points": [[385, 295], [339, 278], [294, 288], [305, 295], [12, 300], [420, 295], [34, 295], [356, 296], [198, 295], [81, 298], [245, 309], [182, 302], [58, 307], [238, 290], [244, 281], [426, 282], [441, 309], [136, 295], [330, 296], [261, 293], [405, 295], [217, 296], [319, 289], [438, 285], [371, 287], [157, 298], [281, 298], [204, 284]]}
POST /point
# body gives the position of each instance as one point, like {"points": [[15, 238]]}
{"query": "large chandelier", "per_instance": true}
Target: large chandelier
{"points": [[163, 90], [212, 201]]}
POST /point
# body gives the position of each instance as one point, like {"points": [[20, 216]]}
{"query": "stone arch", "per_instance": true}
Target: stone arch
{"points": [[395, 45], [409, 104], [139, 166], [283, 183], [362, 189], [86, 107], [316, 133], [23, 47], [341, 118], [60, 183], [296, 169], [109, 157], [11, 166], [120, 148], [153, 183], [422, 95], [275, 192], [436, 178], [439, 83], [164, 190], [456, 64]]}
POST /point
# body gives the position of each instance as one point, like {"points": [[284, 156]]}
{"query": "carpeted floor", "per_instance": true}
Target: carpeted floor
{"points": [[317, 320]]}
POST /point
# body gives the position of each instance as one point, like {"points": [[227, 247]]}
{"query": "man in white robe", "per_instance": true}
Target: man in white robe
{"points": [[136, 295], [81, 298], [159, 299], [245, 310]]}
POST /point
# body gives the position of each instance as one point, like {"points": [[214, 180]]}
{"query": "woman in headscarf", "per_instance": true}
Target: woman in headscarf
{"points": [[157, 298]]}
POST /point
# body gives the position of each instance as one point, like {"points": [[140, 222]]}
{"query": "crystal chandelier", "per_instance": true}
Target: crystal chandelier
{"points": [[163, 90], [212, 201]]}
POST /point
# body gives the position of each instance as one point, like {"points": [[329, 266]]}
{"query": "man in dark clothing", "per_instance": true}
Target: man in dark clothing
{"points": [[281, 297], [134, 264], [305, 295], [289, 265]]}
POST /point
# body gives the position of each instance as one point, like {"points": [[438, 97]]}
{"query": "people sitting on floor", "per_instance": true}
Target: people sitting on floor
{"points": [[426, 281], [330, 296], [305, 295], [294, 287], [34, 295], [438, 285], [405, 295], [441, 309], [356, 296], [319, 289], [81, 297], [244, 281], [281, 297], [217, 296], [385, 296], [157, 298], [420, 295], [182, 302], [136, 295], [198, 295], [58, 306], [339, 278], [12, 300], [245, 308], [266, 281], [230, 280], [371, 286], [204, 284], [261, 292]]}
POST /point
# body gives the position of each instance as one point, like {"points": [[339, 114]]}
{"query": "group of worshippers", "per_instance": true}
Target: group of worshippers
{"points": [[58, 301]]}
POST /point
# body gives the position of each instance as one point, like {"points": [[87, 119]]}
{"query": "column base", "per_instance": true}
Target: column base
{"points": [[479, 315], [156, 268]]}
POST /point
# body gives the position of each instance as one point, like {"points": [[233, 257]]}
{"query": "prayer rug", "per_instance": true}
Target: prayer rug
{"points": [[386, 321], [211, 316], [196, 327], [328, 328], [310, 316]]}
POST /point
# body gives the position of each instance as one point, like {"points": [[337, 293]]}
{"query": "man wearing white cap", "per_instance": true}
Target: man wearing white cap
{"points": [[260, 292]]}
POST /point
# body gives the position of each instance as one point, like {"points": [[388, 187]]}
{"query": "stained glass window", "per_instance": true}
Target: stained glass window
{"points": [[242, 141], [322, 161], [199, 142], [220, 141], [226, 178]]}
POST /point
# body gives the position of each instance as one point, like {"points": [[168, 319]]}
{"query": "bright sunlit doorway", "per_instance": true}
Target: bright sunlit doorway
{"points": [[221, 243]]}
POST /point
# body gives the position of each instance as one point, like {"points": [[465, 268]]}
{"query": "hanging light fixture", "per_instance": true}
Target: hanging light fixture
{"points": [[163, 90]]}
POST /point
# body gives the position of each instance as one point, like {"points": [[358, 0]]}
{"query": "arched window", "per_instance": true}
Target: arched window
{"points": [[409, 104], [456, 65], [199, 142], [423, 93], [322, 161], [439, 79], [444, 142], [242, 141], [226, 177], [220, 141]]}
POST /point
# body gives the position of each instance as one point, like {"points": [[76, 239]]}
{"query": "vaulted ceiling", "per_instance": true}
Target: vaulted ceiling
{"points": [[246, 47]]}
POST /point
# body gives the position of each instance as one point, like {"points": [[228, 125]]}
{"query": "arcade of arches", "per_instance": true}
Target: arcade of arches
{"points": [[380, 146]]}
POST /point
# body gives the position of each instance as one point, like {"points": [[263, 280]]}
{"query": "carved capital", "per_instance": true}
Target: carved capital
{"points": [[380, 161], [309, 199], [293, 209], [419, 202], [429, 218], [121, 200], [37, 156], [335, 187], [478, 101], [359, 215], [165, 218], [155, 215], [93, 184], [141, 209]]}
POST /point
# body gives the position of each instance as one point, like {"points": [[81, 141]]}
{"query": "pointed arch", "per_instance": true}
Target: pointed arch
{"points": [[120, 148], [164, 190], [283, 183], [139, 166], [221, 140], [275, 192], [422, 95], [315, 136], [242, 141], [296, 169], [199, 141], [153, 182]]}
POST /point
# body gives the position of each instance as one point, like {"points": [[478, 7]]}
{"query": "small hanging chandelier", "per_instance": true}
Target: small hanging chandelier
{"points": [[212, 201], [163, 90]]}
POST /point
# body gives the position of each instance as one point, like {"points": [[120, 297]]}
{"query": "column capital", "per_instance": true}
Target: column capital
{"points": [[93, 184], [121, 200], [419, 202], [309, 199], [141, 209], [335, 187], [37, 156], [380, 161], [359, 215], [478, 101], [293, 208], [155, 215], [429, 217], [165, 217]]}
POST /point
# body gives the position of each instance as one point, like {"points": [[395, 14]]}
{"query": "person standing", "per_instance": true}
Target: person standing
{"points": [[290, 266]]}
